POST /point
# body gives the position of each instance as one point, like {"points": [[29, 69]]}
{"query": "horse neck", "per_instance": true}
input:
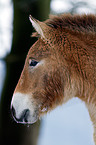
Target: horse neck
{"points": [[92, 112]]}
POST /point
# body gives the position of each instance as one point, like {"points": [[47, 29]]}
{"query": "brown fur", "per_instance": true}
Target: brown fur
{"points": [[70, 70], [77, 23]]}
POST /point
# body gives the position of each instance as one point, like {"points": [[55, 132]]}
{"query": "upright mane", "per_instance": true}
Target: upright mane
{"points": [[78, 23]]}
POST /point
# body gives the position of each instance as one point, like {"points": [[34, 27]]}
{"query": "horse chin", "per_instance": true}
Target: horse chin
{"points": [[32, 119]]}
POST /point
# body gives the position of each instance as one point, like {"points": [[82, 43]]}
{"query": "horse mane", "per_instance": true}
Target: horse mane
{"points": [[74, 23], [77, 23]]}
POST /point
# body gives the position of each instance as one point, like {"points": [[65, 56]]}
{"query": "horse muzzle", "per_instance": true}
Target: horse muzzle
{"points": [[24, 109]]}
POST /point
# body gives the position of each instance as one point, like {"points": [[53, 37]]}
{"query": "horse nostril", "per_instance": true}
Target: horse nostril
{"points": [[24, 116]]}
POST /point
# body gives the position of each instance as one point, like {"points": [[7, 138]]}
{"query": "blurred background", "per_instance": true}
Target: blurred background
{"points": [[68, 124]]}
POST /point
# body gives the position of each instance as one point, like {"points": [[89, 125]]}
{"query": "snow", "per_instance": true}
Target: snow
{"points": [[69, 124]]}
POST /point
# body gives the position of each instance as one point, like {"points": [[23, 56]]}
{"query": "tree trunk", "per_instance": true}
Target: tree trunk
{"points": [[11, 132]]}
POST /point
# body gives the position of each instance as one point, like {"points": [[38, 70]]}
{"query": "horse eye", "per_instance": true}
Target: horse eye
{"points": [[32, 62]]}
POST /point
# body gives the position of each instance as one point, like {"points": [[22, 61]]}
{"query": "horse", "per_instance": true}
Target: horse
{"points": [[60, 65]]}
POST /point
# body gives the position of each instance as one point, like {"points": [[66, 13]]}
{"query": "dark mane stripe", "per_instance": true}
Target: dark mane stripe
{"points": [[84, 23]]}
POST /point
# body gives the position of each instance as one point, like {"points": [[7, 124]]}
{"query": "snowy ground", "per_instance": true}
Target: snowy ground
{"points": [[67, 125]]}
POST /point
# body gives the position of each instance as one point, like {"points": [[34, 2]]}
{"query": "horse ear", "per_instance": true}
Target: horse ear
{"points": [[40, 27]]}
